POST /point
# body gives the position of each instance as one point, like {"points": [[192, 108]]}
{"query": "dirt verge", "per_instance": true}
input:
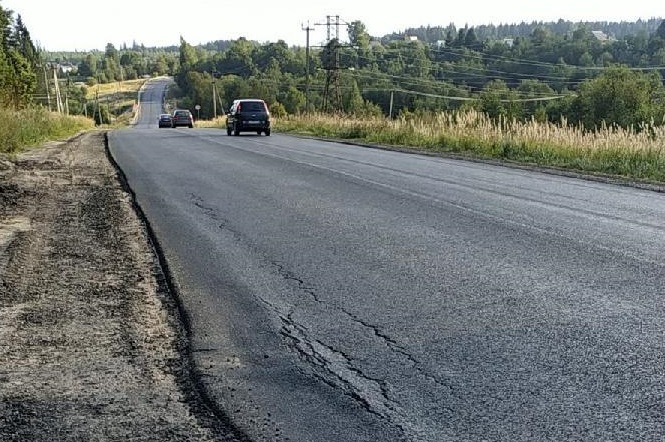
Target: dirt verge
{"points": [[91, 343]]}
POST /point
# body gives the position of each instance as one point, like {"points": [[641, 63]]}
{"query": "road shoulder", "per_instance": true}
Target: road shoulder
{"points": [[91, 344]]}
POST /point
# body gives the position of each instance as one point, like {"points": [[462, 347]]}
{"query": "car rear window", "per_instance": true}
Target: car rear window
{"points": [[252, 106], [182, 113]]}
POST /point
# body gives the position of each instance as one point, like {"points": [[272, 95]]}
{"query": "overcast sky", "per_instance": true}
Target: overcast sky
{"points": [[84, 25]]}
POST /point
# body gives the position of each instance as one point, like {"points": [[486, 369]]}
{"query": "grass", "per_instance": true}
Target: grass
{"points": [[217, 123], [30, 127], [628, 153], [22, 129]]}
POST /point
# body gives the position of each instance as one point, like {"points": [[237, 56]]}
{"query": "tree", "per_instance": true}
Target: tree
{"points": [[358, 35], [293, 100], [353, 100], [660, 32], [18, 62], [471, 40], [360, 40], [188, 55], [619, 96], [238, 59], [497, 101], [25, 45], [111, 51]]}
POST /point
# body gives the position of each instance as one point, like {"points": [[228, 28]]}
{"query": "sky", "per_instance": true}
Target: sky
{"points": [[84, 25]]}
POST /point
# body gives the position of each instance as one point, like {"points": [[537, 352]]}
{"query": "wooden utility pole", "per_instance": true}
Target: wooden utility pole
{"points": [[58, 98], [214, 98], [307, 30], [47, 85]]}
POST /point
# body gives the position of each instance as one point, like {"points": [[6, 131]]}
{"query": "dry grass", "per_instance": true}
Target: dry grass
{"points": [[217, 123], [633, 153]]}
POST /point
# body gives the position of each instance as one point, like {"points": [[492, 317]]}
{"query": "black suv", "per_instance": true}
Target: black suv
{"points": [[248, 115]]}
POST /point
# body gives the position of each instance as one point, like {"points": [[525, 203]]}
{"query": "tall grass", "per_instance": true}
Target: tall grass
{"points": [[30, 127], [637, 153]]}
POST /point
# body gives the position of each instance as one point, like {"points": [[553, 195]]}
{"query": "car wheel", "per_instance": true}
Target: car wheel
{"points": [[267, 132], [236, 131], [191, 126], [228, 130]]}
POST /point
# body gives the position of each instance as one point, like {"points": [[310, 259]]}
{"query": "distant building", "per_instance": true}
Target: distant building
{"points": [[440, 43], [67, 67], [64, 68], [509, 42], [411, 37], [601, 36]]}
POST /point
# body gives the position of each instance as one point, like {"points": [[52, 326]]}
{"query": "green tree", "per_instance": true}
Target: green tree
{"points": [[660, 32], [18, 62], [238, 59], [293, 100], [498, 101], [360, 52], [353, 100], [188, 55], [619, 96]]}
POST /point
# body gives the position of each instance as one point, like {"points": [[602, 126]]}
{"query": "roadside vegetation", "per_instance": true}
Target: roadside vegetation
{"points": [[24, 128], [629, 153]]}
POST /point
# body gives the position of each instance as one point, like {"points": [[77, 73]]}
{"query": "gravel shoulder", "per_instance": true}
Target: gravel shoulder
{"points": [[92, 346]]}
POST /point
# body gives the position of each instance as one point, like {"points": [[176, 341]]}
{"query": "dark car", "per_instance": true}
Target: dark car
{"points": [[182, 117], [165, 120], [248, 115]]}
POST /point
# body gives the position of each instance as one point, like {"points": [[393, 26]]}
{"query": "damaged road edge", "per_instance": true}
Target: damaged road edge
{"points": [[190, 379]]}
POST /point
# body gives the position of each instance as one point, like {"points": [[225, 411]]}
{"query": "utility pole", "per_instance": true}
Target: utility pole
{"points": [[98, 111], [392, 99], [58, 98], [214, 94], [214, 97], [307, 30], [67, 95], [48, 87]]}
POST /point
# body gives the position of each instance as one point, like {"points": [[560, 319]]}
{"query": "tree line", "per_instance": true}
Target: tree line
{"points": [[581, 77]]}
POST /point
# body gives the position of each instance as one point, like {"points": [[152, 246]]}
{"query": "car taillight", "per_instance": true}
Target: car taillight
{"points": [[239, 107]]}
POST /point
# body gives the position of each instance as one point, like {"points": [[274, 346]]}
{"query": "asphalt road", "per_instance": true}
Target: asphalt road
{"points": [[342, 293]]}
